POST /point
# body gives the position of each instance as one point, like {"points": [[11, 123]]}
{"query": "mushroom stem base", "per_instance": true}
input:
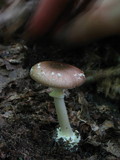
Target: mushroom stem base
{"points": [[70, 141]]}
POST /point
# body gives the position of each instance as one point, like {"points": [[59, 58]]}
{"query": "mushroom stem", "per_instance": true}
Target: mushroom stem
{"points": [[65, 128], [63, 117]]}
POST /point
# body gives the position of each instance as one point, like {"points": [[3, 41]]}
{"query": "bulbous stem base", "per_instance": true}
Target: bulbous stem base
{"points": [[70, 141]]}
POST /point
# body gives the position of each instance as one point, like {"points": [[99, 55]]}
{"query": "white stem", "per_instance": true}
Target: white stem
{"points": [[65, 131], [63, 117]]}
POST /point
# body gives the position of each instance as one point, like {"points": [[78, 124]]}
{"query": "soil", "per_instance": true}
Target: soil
{"points": [[28, 118]]}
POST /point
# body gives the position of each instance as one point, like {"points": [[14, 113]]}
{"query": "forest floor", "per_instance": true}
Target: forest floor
{"points": [[27, 114]]}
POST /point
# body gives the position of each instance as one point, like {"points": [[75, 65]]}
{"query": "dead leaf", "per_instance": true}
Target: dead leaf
{"points": [[113, 148]]}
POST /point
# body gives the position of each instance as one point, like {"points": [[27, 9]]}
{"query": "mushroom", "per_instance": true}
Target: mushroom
{"points": [[60, 76]]}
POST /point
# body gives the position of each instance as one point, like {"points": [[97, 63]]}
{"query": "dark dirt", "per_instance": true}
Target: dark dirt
{"points": [[27, 114]]}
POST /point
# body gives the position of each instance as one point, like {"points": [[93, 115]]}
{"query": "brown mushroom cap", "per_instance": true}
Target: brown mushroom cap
{"points": [[57, 75]]}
